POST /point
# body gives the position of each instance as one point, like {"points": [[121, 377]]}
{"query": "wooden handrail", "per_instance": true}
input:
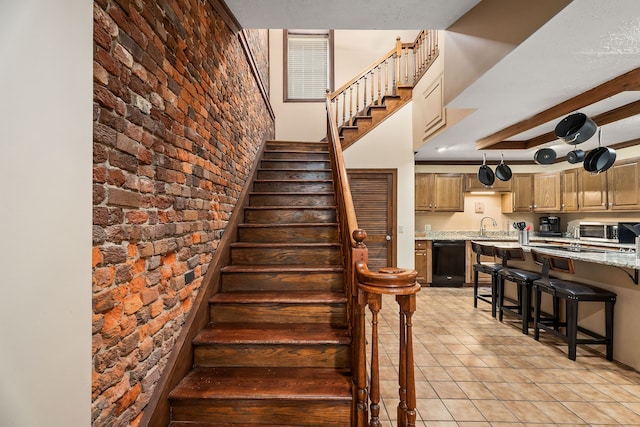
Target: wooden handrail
{"points": [[366, 70]]}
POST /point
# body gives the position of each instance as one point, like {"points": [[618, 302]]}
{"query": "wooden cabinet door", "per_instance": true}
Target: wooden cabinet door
{"points": [[592, 191], [421, 261], [546, 192], [424, 191], [569, 183], [522, 193], [449, 195], [623, 180]]}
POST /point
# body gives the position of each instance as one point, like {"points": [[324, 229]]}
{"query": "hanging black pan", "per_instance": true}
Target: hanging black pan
{"points": [[503, 172], [600, 159], [485, 174], [575, 129]]}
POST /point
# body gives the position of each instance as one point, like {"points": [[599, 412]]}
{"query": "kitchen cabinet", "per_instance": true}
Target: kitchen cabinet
{"points": [[440, 192], [622, 185], [471, 260], [546, 192], [521, 197], [472, 183], [569, 189], [423, 252], [592, 191]]}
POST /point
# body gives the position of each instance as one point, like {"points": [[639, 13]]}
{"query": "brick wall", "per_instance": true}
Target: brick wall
{"points": [[178, 118]]}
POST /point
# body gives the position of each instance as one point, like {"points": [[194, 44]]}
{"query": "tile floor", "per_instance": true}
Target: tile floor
{"points": [[472, 370]]}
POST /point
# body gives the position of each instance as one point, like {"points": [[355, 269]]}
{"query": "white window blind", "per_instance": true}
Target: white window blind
{"points": [[307, 66]]}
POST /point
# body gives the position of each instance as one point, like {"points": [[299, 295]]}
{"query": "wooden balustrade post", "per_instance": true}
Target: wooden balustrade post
{"points": [[375, 304], [398, 56], [406, 378]]}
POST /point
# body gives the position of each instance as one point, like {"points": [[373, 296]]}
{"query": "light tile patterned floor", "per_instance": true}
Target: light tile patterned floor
{"points": [[472, 370]]}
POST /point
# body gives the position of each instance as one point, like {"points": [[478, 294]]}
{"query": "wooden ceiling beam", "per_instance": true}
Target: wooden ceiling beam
{"points": [[625, 82]]}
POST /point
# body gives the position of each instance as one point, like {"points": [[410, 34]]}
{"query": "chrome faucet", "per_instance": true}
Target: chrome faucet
{"points": [[482, 230]]}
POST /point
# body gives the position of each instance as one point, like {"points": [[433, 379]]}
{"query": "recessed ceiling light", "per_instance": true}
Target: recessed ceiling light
{"points": [[441, 149]]}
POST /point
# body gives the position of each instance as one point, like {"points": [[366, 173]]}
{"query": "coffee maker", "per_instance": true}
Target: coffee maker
{"points": [[549, 226]]}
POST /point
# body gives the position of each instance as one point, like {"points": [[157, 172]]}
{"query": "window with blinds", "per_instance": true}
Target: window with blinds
{"points": [[308, 68]]}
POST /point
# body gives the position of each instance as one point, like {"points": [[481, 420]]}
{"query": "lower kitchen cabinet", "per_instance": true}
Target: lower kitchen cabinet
{"points": [[423, 253], [471, 260]]}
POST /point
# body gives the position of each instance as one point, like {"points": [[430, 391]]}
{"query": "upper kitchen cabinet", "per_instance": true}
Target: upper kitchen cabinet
{"points": [[472, 183], [546, 192], [622, 183], [569, 189], [521, 197], [592, 191], [441, 192]]}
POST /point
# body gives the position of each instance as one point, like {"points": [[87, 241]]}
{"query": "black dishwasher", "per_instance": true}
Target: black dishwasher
{"points": [[448, 263]]}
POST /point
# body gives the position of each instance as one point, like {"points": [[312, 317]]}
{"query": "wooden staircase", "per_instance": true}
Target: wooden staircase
{"points": [[276, 350], [373, 115]]}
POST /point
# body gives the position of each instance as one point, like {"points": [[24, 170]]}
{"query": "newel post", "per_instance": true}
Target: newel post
{"points": [[359, 355], [371, 286]]}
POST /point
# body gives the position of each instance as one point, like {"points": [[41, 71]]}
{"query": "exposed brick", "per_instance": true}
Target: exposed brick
{"points": [[177, 122], [118, 197]]}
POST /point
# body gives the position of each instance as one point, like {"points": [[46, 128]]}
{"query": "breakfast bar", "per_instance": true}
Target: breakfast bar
{"points": [[611, 268]]}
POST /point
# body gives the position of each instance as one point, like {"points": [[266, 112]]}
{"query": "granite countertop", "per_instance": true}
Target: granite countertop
{"points": [[616, 257]]}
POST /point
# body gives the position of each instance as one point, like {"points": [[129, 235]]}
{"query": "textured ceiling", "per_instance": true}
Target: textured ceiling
{"points": [[586, 44]]}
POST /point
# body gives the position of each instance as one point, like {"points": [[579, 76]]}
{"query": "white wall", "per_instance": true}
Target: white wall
{"points": [[389, 146], [353, 52], [45, 219]]}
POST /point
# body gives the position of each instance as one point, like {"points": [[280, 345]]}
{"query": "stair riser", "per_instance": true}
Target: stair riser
{"points": [[295, 199], [289, 216], [292, 155], [318, 234], [288, 256], [297, 174], [296, 146], [293, 186], [295, 165], [283, 355], [334, 314], [327, 413], [286, 282]]}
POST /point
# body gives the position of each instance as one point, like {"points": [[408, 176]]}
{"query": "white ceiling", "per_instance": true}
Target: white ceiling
{"points": [[588, 43]]}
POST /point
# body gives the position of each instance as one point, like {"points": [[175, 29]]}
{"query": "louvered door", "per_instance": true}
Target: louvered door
{"points": [[374, 193]]}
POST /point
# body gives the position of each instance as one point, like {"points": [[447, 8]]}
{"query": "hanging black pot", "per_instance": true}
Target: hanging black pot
{"points": [[544, 156], [575, 156], [503, 172], [600, 159], [575, 129], [485, 174]]}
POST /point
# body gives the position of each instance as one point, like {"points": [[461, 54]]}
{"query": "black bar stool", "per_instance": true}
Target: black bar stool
{"points": [[572, 293], [521, 306], [487, 267]]}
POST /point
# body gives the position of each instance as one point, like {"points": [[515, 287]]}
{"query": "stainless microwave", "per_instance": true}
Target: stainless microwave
{"points": [[599, 231]]}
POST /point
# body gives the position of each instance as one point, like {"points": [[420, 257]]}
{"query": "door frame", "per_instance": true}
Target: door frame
{"points": [[392, 205]]}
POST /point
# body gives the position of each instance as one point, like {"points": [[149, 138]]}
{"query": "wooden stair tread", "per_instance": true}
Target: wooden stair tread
{"points": [[290, 225], [230, 383], [303, 268], [257, 208], [270, 150], [272, 333], [298, 297], [295, 181], [282, 245]]}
